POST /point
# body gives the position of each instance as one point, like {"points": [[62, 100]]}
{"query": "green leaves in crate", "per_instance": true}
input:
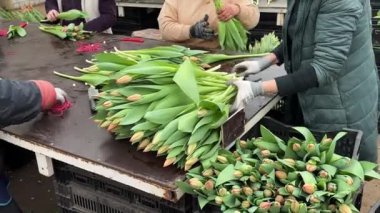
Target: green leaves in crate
{"points": [[354, 168], [226, 175], [331, 150], [369, 170], [255, 178]]}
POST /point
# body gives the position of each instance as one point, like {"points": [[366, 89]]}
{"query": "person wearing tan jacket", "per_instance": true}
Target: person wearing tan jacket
{"points": [[195, 22]]}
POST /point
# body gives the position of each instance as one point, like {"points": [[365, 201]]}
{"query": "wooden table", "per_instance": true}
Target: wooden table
{"points": [[75, 139]]}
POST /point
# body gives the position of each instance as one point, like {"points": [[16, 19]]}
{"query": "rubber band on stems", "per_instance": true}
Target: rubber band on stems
{"points": [[59, 109]]}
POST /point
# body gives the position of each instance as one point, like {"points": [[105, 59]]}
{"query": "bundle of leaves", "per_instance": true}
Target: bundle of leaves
{"points": [[266, 44], [70, 32]]}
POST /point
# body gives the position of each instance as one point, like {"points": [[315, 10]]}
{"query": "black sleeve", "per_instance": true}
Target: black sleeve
{"points": [[279, 52], [20, 101], [107, 18], [51, 5], [299, 81]]}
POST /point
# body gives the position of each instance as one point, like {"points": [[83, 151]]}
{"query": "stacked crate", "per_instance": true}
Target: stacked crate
{"points": [[79, 191]]}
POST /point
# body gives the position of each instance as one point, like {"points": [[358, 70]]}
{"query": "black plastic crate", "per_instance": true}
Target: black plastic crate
{"points": [[67, 175], [77, 198], [348, 146]]}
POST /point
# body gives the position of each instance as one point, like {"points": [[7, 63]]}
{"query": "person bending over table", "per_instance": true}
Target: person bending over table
{"points": [[101, 13], [21, 101], [195, 22], [332, 80]]}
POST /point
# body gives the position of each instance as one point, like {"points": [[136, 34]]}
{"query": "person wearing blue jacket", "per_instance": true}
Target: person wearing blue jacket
{"points": [[21, 101]]}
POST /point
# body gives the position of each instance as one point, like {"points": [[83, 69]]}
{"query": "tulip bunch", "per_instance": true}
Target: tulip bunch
{"points": [[266, 174], [70, 32], [163, 100]]}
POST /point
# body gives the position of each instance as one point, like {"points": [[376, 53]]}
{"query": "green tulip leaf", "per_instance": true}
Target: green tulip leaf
{"points": [[329, 169], [306, 133], [354, 168], [368, 166], [331, 149], [226, 175], [185, 187], [308, 177], [202, 202]]}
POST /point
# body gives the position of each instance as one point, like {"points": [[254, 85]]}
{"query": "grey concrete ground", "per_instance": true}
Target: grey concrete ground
{"points": [[33, 192]]}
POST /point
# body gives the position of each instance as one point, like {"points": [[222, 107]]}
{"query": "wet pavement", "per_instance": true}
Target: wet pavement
{"points": [[32, 191]]}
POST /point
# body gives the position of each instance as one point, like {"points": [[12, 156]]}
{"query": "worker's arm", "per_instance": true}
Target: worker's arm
{"points": [[279, 53], [170, 28], [249, 14], [21, 101], [107, 18]]}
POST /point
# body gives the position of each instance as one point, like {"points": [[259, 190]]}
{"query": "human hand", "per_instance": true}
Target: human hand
{"points": [[247, 90], [61, 96], [52, 97], [228, 12], [202, 30], [246, 68], [52, 15]]}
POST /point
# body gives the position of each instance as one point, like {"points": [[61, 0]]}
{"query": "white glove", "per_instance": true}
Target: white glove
{"points": [[251, 67], [247, 67], [247, 90], [61, 95]]}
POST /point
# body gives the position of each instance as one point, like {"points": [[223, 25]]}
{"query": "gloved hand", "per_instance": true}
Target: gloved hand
{"points": [[251, 67], [61, 95], [202, 30], [247, 90], [50, 96]]}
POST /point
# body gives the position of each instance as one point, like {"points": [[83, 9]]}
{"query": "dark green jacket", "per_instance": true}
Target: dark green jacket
{"points": [[334, 37]]}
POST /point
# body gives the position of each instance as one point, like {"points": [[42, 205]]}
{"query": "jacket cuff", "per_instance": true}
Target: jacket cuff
{"points": [[279, 52], [185, 32], [48, 95]]}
